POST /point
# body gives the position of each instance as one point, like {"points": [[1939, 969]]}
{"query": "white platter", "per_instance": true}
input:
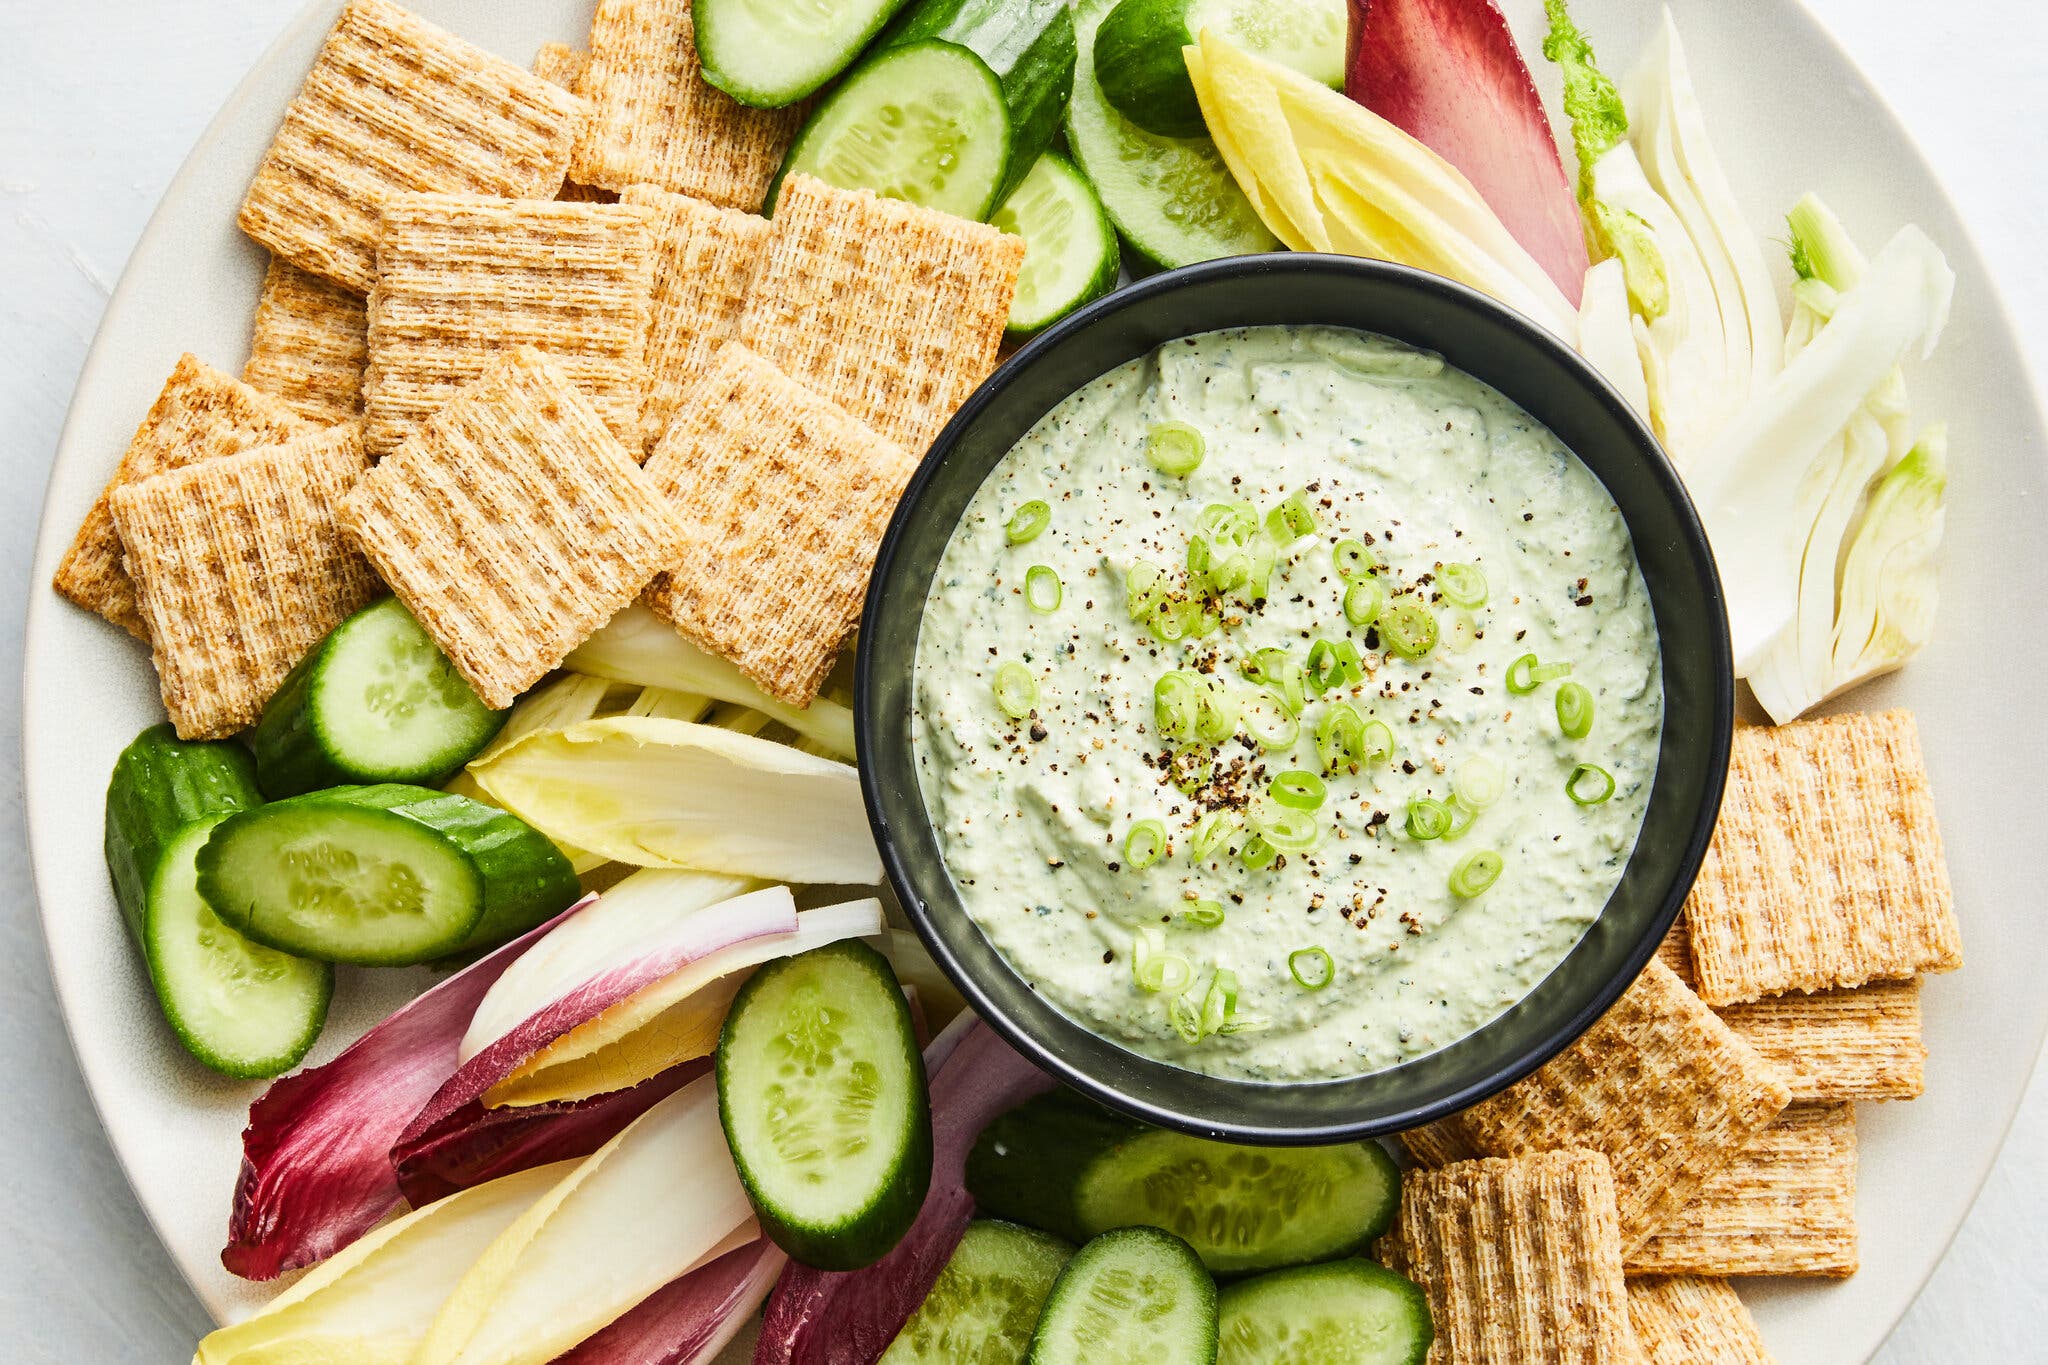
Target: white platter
{"points": [[1764, 67]]}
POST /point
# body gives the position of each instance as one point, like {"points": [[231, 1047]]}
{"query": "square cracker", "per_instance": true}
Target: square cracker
{"points": [[393, 104], [783, 497], [1787, 1206], [200, 414], [704, 261], [655, 120], [1692, 1320], [240, 569], [513, 524], [461, 277], [892, 311], [1659, 1085], [308, 344], [562, 65], [1826, 868], [1520, 1260]]}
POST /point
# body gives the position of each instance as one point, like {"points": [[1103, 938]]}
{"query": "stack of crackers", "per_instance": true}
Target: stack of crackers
{"points": [[1705, 1127], [526, 352]]}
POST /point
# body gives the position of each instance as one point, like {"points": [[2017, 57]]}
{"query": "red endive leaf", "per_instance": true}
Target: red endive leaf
{"points": [[1448, 73], [690, 1321], [316, 1156], [819, 1317]]}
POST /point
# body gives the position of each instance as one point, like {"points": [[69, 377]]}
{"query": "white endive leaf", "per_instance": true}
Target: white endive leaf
{"points": [[1607, 335]]}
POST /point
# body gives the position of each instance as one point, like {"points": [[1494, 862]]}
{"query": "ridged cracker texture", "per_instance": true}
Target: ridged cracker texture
{"points": [[308, 344], [1826, 868], [704, 263], [1520, 1260], [562, 65], [513, 524], [200, 414], [1787, 1206], [460, 278], [783, 499], [892, 311], [240, 569], [1438, 1144], [1693, 1320], [1659, 1085], [655, 120], [395, 104]]}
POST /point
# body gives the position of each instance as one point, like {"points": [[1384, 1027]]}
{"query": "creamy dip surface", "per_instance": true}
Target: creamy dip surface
{"points": [[1344, 943]]}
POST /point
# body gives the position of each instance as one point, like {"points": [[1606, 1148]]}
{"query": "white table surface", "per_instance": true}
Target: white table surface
{"points": [[99, 102]]}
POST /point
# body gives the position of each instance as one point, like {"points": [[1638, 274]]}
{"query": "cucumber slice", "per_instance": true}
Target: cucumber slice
{"points": [[243, 1009], [771, 53], [821, 1089], [382, 876], [986, 1302], [161, 784], [1138, 51], [1133, 1296], [1070, 255], [1173, 199], [924, 123], [1065, 1164], [1348, 1312], [376, 701]]}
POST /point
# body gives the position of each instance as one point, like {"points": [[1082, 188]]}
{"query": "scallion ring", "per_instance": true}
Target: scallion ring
{"points": [[1575, 710], [1233, 523], [1027, 521], [1170, 619], [1525, 675], [1211, 833], [1144, 844], [1016, 691], [1479, 782], [1175, 449], [1219, 1002], [1379, 743], [1474, 873], [1258, 853], [1202, 914], [1352, 559], [1144, 589], [1177, 704], [1463, 585], [1575, 785], [1462, 633], [1042, 589], [1291, 520], [1277, 669], [1286, 828], [1341, 738], [1216, 710], [1299, 789], [1154, 969], [1185, 1017], [1311, 968], [1267, 719], [1428, 818], [1409, 628], [1364, 600]]}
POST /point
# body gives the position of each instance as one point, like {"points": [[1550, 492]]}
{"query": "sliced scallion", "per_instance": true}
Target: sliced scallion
{"points": [[1463, 585], [1185, 1017], [1409, 628], [1299, 789], [1379, 743], [1154, 969], [1333, 663], [1525, 675], [1479, 782], [1578, 789], [1042, 589], [1144, 844], [1016, 691], [1291, 520], [1364, 600], [1027, 521], [1177, 704], [1268, 720], [1216, 712], [1233, 523], [1340, 738], [1311, 968], [1219, 1002], [1202, 914], [1211, 833], [1258, 853], [1279, 670], [1474, 873], [1144, 588], [1575, 710], [1352, 559], [1286, 828], [1175, 449], [1428, 818]]}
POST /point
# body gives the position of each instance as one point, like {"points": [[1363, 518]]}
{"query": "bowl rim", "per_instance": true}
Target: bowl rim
{"points": [[1721, 706]]}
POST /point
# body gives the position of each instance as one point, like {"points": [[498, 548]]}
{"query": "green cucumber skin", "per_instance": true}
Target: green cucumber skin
{"points": [[292, 1047], [1027, 1259], [875, 1230], [1139, 65], [707, 16], [294, 755], [160, 785], [1317, 1287], [1051, 1344], [1027, 1164], [1107, 271], [1030, 46]]}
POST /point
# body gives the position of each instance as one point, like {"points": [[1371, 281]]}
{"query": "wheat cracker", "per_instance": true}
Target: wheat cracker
{"points": [[565, 66], [200, 414], [783, 498], [655, 120], [1826, 868], [513, 524], [1862, 1043], [1520, 1260], [1787, 1206], [892, 311], [1693, 1320], [308, 344], [239, 570], [395, 104], [460, 278]]}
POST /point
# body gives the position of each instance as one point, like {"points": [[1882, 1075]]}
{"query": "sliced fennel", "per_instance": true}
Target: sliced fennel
{"points": [[670, 793], [638, 647], [1888, 580], [1607, 335], [372, 1302], [1767, 470], [652, 1204], [1326, 174], [673, 1019]]}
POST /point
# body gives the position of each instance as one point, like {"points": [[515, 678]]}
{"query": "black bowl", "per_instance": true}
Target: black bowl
{"points": [[1560, 390]]}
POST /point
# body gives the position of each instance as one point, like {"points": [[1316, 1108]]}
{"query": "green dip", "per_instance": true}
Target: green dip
{"points": [[1291, 929]]}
